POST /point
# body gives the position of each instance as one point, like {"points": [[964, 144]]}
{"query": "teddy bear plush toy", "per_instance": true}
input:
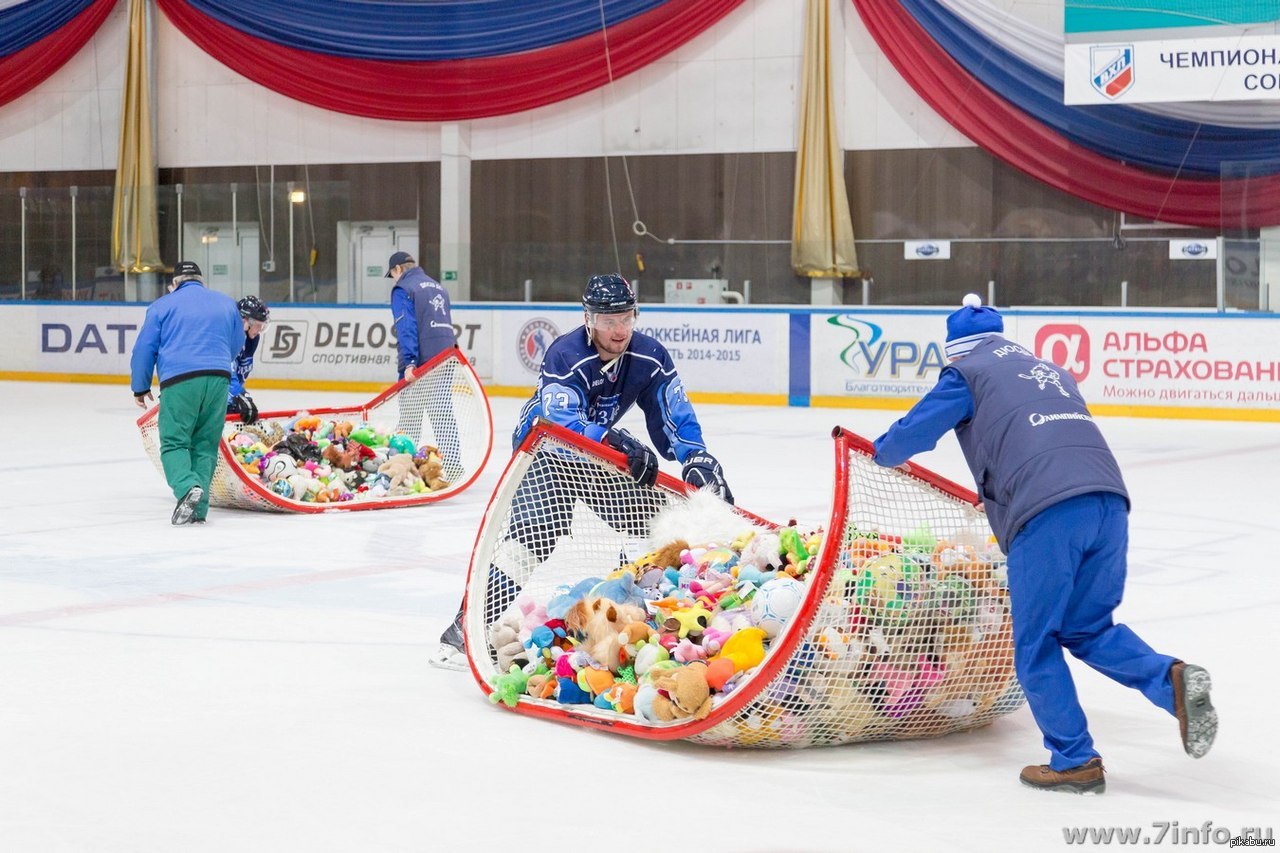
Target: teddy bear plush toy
{"points": [[683, 693], [504, 637], [402, 471], [431, 470]]}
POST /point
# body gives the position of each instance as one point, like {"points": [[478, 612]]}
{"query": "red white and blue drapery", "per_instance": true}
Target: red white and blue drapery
{"points": [[1175, 165], [38, 36], [438, 60]]}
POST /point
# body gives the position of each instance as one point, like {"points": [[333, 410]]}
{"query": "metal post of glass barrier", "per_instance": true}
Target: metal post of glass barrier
{"points": [[290, 190], [1220, 270], [1124, 294], [22, 263], [237, 263], [991, 292], [74, 191], [182, 254]]}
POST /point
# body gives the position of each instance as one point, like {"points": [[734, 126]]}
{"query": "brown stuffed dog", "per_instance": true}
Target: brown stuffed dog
{"points": [[683, 693], [599, 622]]}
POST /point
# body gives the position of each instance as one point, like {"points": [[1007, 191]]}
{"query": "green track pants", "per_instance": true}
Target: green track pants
{"points": [[192, 413]]}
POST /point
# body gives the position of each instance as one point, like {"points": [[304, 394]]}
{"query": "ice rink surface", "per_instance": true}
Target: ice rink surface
{"points": [[260, 683]]}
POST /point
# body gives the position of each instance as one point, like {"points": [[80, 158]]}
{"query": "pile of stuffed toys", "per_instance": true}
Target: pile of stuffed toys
{"points": [[313, 460], [912, 635]]}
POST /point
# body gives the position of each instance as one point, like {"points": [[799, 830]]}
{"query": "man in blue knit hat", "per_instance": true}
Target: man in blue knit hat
{"points": [[1053, 493]]}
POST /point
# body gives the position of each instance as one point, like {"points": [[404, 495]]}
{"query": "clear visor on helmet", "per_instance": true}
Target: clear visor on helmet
{"points": [[625, 320]]}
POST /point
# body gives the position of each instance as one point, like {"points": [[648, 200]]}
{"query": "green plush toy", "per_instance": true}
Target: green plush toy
{"points": [[792, 544], [508, 686], [920, 540]]}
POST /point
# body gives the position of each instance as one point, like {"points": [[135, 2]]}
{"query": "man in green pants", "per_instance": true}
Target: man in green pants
{"points": [[190, 337]]}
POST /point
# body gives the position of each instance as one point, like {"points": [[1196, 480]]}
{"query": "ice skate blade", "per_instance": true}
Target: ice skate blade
{"points": [[186, 508], [447, 657]]}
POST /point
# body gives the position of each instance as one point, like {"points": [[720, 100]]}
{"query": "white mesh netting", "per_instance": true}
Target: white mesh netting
{"points": [[442, 405], [902, 631]]}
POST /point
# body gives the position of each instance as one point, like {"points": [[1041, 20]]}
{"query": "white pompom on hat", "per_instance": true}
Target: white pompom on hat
{"points": [[970, 325]]}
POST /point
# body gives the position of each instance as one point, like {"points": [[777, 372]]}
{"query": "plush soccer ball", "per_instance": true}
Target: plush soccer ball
{"points": [[776, 602], [279, 467]]}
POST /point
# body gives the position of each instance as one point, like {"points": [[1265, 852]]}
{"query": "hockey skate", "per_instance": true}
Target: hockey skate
{"points": [[1197, 720], [1087, 778], [186, 508], [451, 653]]}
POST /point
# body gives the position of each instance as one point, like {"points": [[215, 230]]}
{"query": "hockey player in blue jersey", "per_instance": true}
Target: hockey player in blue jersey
{"points": [[254, 313], [590, 378]]}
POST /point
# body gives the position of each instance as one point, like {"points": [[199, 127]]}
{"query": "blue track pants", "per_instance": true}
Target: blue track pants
{"points": [[1066, 577]]}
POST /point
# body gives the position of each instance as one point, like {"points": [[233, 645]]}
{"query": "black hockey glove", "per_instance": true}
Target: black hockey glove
{"points": [[245, 408], [641, 459], [702, 470]]}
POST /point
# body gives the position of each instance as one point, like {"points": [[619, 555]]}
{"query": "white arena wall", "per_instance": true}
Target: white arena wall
{"points": [[733, 89], [1185, 364]]}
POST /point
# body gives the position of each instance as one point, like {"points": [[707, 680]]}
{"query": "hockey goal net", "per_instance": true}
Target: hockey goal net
{"points": [[441, 404], [903, 630]]}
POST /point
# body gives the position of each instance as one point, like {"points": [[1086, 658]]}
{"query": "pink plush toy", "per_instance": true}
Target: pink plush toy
{"points": [[533, 615], [687, 651], [713, 638], [904, 689]]}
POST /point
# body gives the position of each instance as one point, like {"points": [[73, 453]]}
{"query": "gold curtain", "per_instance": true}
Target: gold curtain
{"points": [[135, 232], [821, 229]]}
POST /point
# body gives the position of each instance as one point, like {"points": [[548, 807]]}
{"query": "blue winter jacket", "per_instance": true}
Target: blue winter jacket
{"points": [[193, 331]]}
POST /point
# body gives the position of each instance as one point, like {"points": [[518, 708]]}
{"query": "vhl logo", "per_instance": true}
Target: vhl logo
{"points": [[286, 342], [1111, 69]]}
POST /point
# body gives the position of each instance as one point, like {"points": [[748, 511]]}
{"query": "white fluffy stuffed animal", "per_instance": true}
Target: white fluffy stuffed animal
{"points": [[701, 517]]}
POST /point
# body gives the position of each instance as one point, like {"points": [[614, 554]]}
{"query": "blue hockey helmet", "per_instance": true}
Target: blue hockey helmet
{"points": [[253, 308], [608, 294]]}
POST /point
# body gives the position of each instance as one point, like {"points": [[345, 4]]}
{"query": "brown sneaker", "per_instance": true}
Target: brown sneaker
{"points": [[1197, 721], [1087, 778]]}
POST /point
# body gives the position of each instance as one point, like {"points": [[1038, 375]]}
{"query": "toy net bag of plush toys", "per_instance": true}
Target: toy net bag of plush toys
{"points": [[424, 439], [664, 614]]}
